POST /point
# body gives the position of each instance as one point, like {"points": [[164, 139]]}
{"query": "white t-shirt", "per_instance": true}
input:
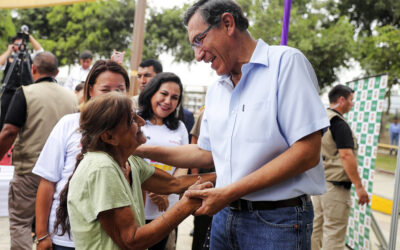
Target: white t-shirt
{"points": [[163, 136], [56, 164], [78, 75]]}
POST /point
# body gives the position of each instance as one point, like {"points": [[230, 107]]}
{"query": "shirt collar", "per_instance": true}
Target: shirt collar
{"points": [[260, 56]]}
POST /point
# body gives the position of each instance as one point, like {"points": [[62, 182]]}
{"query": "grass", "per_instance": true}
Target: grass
{"points": [[386, 162]]}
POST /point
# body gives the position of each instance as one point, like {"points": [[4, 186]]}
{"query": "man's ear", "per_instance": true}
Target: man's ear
{"points": [[228, 22], [108, 138], [34, 69]]}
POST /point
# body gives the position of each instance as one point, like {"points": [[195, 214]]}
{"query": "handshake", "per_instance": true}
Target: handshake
{"points": [[205, 199]]}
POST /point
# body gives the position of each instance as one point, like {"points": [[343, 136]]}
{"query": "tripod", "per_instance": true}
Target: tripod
{"points": [[18, 73]]}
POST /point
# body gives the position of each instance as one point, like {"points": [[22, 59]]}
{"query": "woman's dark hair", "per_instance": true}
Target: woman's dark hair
{"points": [[99, 67], [211, 11], [145, 108], [102, 113]]}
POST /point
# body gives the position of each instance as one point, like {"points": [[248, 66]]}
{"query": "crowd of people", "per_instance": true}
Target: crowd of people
{"points": [[103, 170]]}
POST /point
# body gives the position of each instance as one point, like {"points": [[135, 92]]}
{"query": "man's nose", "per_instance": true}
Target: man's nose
{"points": [[198, 53]]}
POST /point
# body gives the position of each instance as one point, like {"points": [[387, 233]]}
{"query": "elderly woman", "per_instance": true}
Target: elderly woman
{"points": [[104, 195], [58, 157]]}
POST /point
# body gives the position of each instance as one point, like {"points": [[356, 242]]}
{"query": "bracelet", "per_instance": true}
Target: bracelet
{"points": [[37, 241], [166, 222]]}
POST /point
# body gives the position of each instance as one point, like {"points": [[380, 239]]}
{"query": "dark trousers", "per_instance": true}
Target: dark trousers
{"points": [[160, 245], [201, 224]]}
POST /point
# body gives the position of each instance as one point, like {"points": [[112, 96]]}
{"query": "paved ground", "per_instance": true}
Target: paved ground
{"points": [[383, 186]]}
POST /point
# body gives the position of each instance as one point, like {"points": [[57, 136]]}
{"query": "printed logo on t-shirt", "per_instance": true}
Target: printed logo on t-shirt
{"points": [[161, 166], [175, 142]]}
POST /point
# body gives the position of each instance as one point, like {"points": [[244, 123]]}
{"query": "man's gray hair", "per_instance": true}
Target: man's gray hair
{"points": [[211, 11], [46, 63]]}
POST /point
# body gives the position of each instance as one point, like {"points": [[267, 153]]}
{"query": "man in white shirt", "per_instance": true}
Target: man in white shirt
{"points": [[79, 73]]}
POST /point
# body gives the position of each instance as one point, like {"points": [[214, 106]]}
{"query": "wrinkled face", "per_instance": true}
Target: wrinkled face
{"points": [[106, 82], [215, 46], [85, 63], [348, 103], [165, 100], [16, 44], [145, 75], [129, 134]]}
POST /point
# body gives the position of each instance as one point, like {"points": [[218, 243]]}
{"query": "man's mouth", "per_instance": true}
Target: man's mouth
{"points": [[210, 60]]}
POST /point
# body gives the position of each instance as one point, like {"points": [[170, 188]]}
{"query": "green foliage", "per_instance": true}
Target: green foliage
{"points": [[310, 30], [380, 53], [165, 32], [7, 29], [66, 31], [378, 46], [364, 13]]}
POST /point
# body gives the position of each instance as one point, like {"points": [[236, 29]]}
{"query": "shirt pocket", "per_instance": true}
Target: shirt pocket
{"points": [[253, 125]]}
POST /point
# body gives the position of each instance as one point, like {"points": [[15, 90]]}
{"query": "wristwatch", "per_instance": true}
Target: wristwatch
{"points": [[38, 240]]}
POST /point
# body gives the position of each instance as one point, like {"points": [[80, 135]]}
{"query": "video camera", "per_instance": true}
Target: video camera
{"points": [[24, 35]]}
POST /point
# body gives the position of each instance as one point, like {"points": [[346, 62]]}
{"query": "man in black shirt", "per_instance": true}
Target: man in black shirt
{"points": [[339, 153], [20, 74]]}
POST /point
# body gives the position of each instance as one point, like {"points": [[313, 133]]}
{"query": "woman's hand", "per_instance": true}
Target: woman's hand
{"points": [[198, 185], [45, 244], [161, 201]]}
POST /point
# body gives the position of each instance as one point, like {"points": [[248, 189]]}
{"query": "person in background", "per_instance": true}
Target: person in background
{"points": [[148, 69], [103, 200], [394, 131], [188, 120], [202, 223], [34, 111], [79, 92], [58, 157], [79, 73], [16, 79], [339, 154], [158, 103]]}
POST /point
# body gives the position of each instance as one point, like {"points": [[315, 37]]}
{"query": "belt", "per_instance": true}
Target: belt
{"points": [[345, 184], [245, 205]]}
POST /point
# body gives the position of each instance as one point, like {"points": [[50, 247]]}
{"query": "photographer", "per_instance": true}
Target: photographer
{"points": [[20, 74]]}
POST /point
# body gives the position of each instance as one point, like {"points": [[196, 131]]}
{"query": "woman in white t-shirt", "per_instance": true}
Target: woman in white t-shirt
{"points": [[159, 107], [58, 157]]}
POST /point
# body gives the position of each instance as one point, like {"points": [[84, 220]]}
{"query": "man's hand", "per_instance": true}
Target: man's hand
{"points": [[362, 195], [45, 244], [161, 201], [213, 200]]}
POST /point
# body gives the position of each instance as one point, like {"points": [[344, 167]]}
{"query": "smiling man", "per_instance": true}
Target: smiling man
{"points": [[262, 130]]}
